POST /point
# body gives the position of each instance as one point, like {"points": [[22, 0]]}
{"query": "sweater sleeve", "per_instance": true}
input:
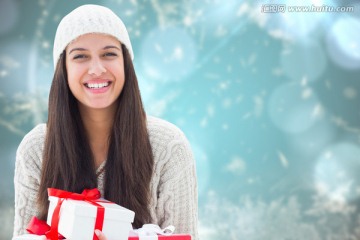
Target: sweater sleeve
{"points": [[177, 192], [27, 178]]}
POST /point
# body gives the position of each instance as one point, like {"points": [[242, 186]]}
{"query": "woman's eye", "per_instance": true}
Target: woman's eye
{"points": [[80, 56], [110, 54]]}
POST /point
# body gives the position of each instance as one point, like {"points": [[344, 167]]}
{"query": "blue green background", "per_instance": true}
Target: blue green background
{"points": [[269, 102]]}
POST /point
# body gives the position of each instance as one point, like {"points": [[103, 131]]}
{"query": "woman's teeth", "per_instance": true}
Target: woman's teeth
{"points": [[97, 85]]}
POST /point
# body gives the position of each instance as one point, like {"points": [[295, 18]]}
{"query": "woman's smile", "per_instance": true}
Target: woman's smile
{"points": [[98, 86]]}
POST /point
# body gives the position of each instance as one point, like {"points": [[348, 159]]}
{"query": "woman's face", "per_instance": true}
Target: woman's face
{"points": [[95, 70]]}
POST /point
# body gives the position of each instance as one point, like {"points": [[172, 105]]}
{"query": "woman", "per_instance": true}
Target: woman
{"points": [[98, 134]]}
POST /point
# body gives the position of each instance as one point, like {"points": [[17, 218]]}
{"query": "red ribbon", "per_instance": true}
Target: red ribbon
{"points": [[39, 227], [91, 196]]}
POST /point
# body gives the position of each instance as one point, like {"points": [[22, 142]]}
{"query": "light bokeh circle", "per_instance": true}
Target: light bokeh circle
{"points": [[293, 108], [312, 141], [304, 61], [336, 172], [168, 54], [343, 43]]}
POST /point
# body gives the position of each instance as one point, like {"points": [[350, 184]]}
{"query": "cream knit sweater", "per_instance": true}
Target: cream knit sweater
{"points": [[173, 184]]}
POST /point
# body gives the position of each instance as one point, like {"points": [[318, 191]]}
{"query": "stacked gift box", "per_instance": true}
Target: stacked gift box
{"points": [[76, 216]]}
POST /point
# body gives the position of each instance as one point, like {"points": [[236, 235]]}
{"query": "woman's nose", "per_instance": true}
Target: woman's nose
{"points": [[96, 67]]}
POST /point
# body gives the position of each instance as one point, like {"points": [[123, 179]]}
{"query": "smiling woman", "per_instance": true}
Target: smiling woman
{"points": [[94, 73], [99, 136]]}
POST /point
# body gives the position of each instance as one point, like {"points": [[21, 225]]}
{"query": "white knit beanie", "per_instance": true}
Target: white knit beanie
{"points": [[89, 19]]}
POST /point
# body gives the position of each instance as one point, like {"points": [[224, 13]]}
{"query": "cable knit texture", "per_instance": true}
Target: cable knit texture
{"points": [[173, 184]]}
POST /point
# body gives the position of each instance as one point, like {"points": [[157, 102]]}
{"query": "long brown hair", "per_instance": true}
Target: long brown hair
{"points": [[68, 161]]}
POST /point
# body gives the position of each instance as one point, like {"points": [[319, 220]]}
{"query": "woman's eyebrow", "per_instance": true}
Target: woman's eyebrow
{"points": [[77, 49], [84, 49], [111, 46]]}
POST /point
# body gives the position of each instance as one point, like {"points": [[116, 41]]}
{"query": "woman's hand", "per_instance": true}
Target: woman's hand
{"points": [[100, 235]]}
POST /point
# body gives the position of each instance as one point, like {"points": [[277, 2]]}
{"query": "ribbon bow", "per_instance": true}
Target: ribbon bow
{"points": [[151, 231], [91, 196], [87, 194]]}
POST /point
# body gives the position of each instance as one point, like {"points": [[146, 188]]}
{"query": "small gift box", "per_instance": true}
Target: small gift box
{"points": [[29, 237], [76, 217], [162, 237], [154, 232]]}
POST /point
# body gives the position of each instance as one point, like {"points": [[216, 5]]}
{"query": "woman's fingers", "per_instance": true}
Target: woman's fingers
{"points": [[100, 235]]}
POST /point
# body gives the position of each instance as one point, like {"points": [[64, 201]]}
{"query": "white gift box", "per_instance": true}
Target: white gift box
{"points": [[77, 219], [29, 237]]}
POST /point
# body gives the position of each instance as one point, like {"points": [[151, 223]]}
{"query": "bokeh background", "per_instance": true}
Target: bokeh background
{"points": [[269, 102]]}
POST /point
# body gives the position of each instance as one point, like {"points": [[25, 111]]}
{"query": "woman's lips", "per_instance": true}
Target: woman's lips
{"points": [[97, 86]]}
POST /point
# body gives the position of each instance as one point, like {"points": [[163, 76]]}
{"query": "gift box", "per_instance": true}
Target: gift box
{"points": [[77, 219], [29, 237], [162, 237], [154, 232]]}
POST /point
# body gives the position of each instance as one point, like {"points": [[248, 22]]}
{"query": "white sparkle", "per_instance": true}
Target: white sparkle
{"points": [[350, 93], [227, 103], [283, 159], [318, 111], [188, 21], [158, 48], [211, 110], [3, 73], [236, 166], [306, 93], [204, 122], [178, 53], [45, 44]]}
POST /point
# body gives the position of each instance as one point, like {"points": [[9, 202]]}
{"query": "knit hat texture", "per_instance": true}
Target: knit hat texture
{"points": [[89, 19]]}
